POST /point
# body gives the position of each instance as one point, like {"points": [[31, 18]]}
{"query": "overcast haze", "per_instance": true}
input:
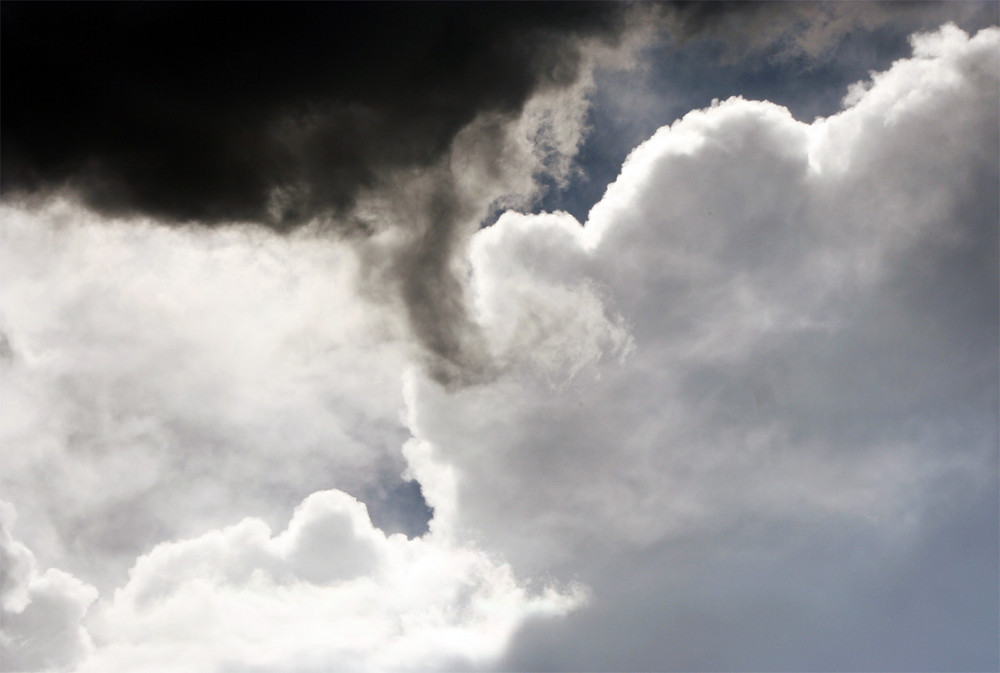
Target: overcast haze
{"points": [[500, 337]]}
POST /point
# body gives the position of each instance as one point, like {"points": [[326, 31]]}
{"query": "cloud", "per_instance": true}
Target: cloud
{"points": [[163, 381], [750, 403], [812, 315], [41, 611], [331, 592], [809, 30], [345, 115], [244, 112]]}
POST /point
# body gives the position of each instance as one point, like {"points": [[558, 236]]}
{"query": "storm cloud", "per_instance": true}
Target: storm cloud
{"points": [[216, 113], [219, 112]]}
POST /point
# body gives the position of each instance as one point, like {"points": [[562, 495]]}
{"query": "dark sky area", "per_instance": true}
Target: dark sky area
{"points": [[199, 112]]}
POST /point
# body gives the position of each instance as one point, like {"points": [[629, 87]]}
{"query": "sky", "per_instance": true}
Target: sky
{"points": [[499, 337]]}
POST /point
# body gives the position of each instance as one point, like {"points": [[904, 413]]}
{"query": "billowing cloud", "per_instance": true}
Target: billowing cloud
{"points": [[748, 255], [813, 320], [344, 114], [743, 417], [329, 593], [171, 384], [152, 372], [41, 611]]}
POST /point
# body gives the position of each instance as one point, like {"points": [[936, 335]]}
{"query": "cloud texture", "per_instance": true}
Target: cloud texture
{"points": [[263, 115], [338, 113], [744, 417]]}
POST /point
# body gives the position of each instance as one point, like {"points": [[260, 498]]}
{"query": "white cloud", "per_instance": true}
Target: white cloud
{"points": [[538, 309], [813, 316], [751, 277], [161, 382], [41, 611], [331, 592], [752, 404]]}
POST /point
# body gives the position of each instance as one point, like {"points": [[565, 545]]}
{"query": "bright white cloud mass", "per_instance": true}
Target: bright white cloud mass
{"points": [[742, 418]]}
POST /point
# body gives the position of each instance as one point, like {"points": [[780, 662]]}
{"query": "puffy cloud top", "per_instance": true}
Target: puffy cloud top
{"points": [[744, 417]]}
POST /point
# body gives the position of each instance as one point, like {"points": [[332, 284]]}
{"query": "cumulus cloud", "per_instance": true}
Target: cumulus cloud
{"points": [[750, 403], [812, 315], [161, 381], [41, 611], [740, 240], [331, 592]]}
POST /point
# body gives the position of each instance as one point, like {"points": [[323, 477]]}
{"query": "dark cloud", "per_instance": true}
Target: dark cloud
{"points": [[809, 30], [275, 114], [750, 405], [279, 115]]}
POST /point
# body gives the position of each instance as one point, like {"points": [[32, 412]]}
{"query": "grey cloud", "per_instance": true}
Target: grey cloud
{"points": [[813, 385], [166, 381], [206, 112], [751, 403], [810, 30], [41, 611], [796, 599], [283, 115]]}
